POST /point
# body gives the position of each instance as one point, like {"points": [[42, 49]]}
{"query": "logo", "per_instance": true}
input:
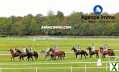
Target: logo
{"points": [[98, 9], [98, 17], [114, 67]]}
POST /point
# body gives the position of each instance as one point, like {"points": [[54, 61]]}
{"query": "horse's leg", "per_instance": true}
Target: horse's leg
{"points": [[76, 56], [63, 56], [90, 56], [19, 58], [85, 56], [28, 58], [52, 57], [55, 57], [81, 56], [32, 58], [60, 57], [23, 58], [36, 58], [103, 56], [11, 58], [97, 55]]}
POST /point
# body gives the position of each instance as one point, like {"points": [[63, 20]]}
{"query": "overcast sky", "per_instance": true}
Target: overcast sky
{"points": [[24, 7]]}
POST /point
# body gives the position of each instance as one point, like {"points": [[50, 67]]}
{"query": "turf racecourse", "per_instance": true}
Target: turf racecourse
{"points": [[69, 64]]}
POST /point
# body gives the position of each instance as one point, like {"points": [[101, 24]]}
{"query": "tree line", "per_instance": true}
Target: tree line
{"points": [[31, 25]]}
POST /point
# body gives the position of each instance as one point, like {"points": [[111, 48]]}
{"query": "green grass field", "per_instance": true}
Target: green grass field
{"points": [[69, 64]]}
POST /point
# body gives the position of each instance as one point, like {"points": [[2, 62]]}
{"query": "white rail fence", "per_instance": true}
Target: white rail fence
{"points": [[70, 68]]}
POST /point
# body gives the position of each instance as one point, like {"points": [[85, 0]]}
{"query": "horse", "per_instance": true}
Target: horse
{"points": [[30, 54], [79, 52], [21, 54], [108, 52], [54, 54], [91, 52], [14, 54]]}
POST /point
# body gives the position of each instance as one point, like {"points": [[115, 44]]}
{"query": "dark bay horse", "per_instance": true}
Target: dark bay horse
{"points": [[17, 53], [91, 52], [14, 54], [31, 54], [55, 54], [79, 52], [21, 55], [108, 52]]}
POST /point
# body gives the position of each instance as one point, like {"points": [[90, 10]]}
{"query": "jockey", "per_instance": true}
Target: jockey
{"points": [[105, 47], [24, 50], [14, 49], [78, 47], [47, 49], [30, 49], [56, 49], [93, 48]]}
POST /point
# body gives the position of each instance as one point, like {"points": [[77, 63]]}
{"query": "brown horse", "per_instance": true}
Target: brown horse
{"points": [[56, 54], [14, 54], [91, 52], [108, 52], [30, 54], [21, 55]]}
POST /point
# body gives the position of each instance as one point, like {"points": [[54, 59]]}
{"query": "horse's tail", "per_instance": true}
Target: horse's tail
{"points": [[113, 54], [64, 54], [86, 53], [36, 55]]}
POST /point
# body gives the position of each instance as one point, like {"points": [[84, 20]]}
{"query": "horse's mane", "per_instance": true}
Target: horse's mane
{"points": [[89, 48], [17, 50]]}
